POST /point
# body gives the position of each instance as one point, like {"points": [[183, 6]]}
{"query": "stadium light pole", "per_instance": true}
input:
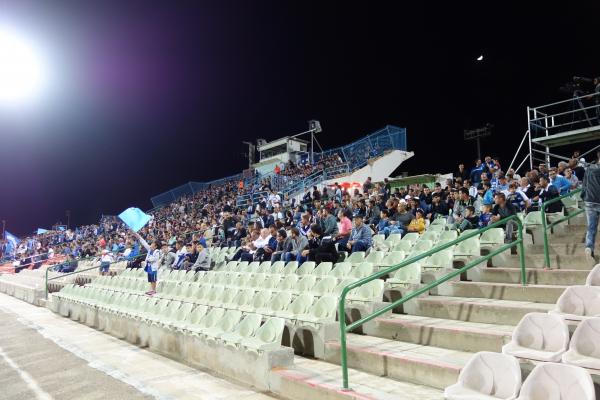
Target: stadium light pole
{"points": [[68, 215], [478, 134]]}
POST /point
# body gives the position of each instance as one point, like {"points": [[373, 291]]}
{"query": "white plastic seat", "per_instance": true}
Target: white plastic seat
{"points": [[434, 236], [421, 246], [307, 267], [267, 337], [578, 303], [290, 268], [271, 281], [392, 258], [277, 267], [287, 283], [448, 236], [411, 237], [297, 307], [257, 280], [211, 319], [243, 266], [392, 240], [192, 318], [258, 302], [356, 258], [264, 267], [305, 284], [487, 375], [584, 348], [322, 311], [243, 298], [245, 329], [552, 381], [325, 286], [468, 248], [375, 257], [539, 336], [253, 266], [341, 270], [593, 278], [342, 284], [492, 237], [323, 269], [435, 228], [533, 218], [409, 274], [226, 324], [362, 270], [370, 291], [231, 266], [278, 303], [439, 260], [404, 246]]}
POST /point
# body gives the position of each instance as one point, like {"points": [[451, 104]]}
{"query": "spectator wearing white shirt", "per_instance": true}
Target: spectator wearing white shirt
{"points": [[105, 259]]}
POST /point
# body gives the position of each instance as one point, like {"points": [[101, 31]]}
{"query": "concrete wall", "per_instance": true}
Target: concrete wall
{"points": [[380, 169]]}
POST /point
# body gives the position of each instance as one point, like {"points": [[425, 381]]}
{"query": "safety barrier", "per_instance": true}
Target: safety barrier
{"points": [[342, 300]]}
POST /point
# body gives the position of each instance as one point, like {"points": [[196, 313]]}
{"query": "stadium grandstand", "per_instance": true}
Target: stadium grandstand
{"points": [[319, 274]]}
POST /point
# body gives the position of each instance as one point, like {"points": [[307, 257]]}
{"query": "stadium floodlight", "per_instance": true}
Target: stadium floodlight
{"points": [[23, 71]]}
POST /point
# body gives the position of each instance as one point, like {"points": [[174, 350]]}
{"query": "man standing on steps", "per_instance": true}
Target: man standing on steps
{"points": [[591, 196]]}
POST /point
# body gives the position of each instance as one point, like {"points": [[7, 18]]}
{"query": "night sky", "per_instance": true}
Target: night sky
{"points": [[149, 95]]}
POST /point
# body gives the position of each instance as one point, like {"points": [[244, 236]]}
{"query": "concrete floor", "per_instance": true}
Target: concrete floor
{"points": [[44, 356]]}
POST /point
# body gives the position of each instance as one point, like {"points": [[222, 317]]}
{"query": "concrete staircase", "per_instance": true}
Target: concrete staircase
{"points": [[416, 356]]}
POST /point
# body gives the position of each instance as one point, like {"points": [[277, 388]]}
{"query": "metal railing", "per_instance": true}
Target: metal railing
{"points": [[344, 329], [545, 224]]}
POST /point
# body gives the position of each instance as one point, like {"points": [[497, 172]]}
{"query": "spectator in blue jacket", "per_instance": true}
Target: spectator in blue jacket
{"points": [[477, 171], [360, 237], [560, 182]]}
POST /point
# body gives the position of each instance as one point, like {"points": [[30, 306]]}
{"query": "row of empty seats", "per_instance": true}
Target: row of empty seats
{"points": [[490, 376]]}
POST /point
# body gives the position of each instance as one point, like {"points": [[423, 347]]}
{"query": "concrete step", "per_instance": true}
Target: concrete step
{"points": [[445, 333], [539, 276], [565, 249], [490, 311], [426, 365], [537, 261], [320, 380], [503, 291]]}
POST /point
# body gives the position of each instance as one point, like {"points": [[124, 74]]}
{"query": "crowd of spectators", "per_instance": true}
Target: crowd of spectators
{"points": [[322, 223]]}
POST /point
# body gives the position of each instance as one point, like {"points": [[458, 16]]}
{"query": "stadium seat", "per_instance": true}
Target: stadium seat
{"points": [[245, 329], [322, 311], [278, 303], [492, 237], [436, 228], [209, 320], [421, 247], [409, 274], [584, 349], [259, 301], [392, 258], [229, 297], [487, 375], [326, 285], [277, 267], [356, 258], [369, 292], [379, 242], [257, 280], [342, 284], [539, 336], [307, 267], [271, 281], [392, 240], [226, 324], [553, 381], [290, 268], [299, 306], [243, 266], [341, 270], [468, 248], [402, 246], [441, 259], [411, 237], [578, 303], [447, 236], [375, 257], [323, 269], [305, 284], [264, 267], [362, 270], [593, 278], [433, 236], [288, 282], [191, 319], [267, 337], [439, 221]]}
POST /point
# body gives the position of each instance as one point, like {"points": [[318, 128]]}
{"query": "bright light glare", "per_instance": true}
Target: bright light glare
{"points": [[23, 72]]}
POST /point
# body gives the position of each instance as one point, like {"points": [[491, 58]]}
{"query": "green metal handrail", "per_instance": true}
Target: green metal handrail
{"points": [[79, 271], [545, 225], [342, 300]]}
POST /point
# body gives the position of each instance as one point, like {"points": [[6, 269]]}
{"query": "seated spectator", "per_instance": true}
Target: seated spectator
{"points": [[265, 245], [485, 216], [319, 248], [438, 208], [547, 193], [345, 229], [560, 182], [299, 242], [469, 220], [328, 223], [284, 245], [181, 252], [418, 223], [191, 257], [501, 210], [238, 234], [202, 262], [248, 248], [105, 260], [360, 238], [167, 257], [304, 225], [517, 198], [572, 178]]}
